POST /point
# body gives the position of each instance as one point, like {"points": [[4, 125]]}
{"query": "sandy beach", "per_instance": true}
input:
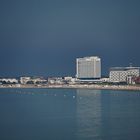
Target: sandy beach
{"points": [[77, 86]]}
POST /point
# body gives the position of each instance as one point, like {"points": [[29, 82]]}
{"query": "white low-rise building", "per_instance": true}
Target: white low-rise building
{"points": [[24, 80], [120, 74], [55, 80], [33, 80], [9, 80]]}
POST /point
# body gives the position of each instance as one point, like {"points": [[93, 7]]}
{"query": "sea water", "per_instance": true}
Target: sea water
{"points": [[69, 114]]}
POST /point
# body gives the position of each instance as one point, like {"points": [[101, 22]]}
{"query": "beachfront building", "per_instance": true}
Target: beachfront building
{"points": [[88, 68], [56, 80], [32, 80], [123, 74], [8, 81], [136, 80], [24, 80]]}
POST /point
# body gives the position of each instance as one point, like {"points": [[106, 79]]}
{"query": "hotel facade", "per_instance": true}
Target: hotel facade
{"points": [[121, 74], [88, 67]]}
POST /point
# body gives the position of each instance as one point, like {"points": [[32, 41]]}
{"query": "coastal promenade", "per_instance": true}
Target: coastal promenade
{"points": [[77, 86]]}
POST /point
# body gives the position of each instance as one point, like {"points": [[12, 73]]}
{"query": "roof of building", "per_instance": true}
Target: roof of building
{"points": [[123, 68], [89, 58]]}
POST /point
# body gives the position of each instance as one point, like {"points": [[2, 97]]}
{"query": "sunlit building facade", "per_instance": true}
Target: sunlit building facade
{"points": [[121, 74], [88, 67]]}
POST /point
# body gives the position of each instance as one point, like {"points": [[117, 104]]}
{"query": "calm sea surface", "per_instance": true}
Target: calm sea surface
{"points": [[69, 114]]}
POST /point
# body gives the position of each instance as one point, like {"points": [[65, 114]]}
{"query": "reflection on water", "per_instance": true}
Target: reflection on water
{"points": [[88, 113], [104, 115], [69, 114]]}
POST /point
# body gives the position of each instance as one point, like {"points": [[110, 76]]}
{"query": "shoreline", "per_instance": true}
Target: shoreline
{"points": [[96, 87]]}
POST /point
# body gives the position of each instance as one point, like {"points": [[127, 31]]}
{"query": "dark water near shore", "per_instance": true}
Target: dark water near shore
{"points": [[69, 114]]}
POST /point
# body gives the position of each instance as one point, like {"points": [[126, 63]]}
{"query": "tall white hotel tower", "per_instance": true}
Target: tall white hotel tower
{"points": [[88, 67]]}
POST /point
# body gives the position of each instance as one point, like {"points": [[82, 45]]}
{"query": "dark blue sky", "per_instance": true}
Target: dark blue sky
{"points": [[44, 37]]}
